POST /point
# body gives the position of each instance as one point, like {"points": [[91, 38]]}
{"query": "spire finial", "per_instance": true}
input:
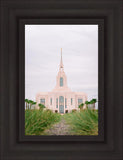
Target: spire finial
{"points": [[61, 63]]}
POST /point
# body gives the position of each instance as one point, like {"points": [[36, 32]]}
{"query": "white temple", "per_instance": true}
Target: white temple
{"points": [[61, 99]]}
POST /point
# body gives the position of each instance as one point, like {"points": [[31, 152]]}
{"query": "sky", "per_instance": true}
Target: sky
{"points": [[43, 45]]}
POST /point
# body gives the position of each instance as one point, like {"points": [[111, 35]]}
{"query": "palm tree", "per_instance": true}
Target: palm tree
{"points": [[26, 100], [93, 101], [34, 103], [89, 106], [41, 106], [30, 102], [81, 106], [27, 103], [86, 102]]}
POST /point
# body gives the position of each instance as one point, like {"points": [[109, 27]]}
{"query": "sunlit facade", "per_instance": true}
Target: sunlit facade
{"points": [[61, 99]]}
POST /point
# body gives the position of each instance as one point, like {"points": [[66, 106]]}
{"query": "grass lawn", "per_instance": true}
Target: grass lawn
{"points": [[84, 122]]}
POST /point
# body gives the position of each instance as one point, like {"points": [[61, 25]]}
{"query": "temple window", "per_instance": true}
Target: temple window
{"points": [[65, 102], [42, 101], [61, 81], [56, 102], [50, 101], [71, 101], [79, 101]]}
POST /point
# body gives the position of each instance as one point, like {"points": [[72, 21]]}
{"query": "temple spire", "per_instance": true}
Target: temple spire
{"points": [[61, 63]]}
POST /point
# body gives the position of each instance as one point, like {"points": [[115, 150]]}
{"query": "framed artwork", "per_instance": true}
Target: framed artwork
{"points": [[61, 111], [61, 80]]}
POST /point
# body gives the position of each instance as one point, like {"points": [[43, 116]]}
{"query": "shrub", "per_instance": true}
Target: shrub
{"points": [[36, 121], [84, 122]]}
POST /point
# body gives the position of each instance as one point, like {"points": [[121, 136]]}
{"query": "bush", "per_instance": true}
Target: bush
{"points": [[84, 122], [36, 121]]}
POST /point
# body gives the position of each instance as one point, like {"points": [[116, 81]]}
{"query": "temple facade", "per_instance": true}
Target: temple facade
{"points": [[61, 99]]}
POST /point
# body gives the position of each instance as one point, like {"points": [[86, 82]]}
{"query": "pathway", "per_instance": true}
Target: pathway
{"points": [[60, 128]]}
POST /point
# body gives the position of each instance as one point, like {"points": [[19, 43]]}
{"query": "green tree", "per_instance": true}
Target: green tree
{"points": [[30, 102], [81, 106], [26, 100], [41, 106], [93, 101], [86, 102], [27, 103], [34, 103]]}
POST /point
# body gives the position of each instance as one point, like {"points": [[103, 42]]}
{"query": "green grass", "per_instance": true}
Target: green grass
{"points": [[36, 121], [84, 122]]}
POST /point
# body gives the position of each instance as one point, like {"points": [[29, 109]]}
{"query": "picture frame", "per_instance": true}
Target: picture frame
{"points": [[108, 15]]}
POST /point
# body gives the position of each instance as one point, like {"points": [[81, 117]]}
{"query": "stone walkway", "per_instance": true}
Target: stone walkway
{"points": [[60, 128]]}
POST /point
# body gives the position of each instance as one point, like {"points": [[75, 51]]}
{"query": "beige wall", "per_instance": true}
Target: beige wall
{"points": [[67, 95]]}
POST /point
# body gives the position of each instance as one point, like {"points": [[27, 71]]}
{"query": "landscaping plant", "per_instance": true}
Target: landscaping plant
{"points": [[84, 122], [36, 121]]}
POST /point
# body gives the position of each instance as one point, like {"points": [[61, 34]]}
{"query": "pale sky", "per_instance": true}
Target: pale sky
{"points": [[43, 45]]}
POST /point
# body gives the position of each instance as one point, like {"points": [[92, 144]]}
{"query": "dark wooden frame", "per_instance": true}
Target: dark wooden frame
{"points": [[108, 15]]}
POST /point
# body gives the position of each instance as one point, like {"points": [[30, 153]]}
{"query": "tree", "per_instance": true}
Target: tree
{"points": [[27, 103], [93, 101], [34, 103], [41, 106], [86, 102], [30, 102], [81, 106], [26, 100]]}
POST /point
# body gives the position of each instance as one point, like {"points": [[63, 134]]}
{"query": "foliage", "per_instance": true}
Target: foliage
{"points": [[36, 121], [41, 106], [93, 101], [86, 102], [29, 103], [84, 122], [81, 105]]}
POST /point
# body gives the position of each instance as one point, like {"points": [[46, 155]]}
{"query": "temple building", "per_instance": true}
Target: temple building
{"points": [[61, 99]]}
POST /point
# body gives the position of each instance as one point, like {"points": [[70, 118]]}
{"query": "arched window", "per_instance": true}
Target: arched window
{"points": [[50, 101], [71, 101], [56, 102], [61, 81], [61, 104], [79, 101], [42, 101], [65, 102]]}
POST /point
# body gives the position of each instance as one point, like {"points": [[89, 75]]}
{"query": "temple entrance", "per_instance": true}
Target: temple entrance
{"points": [[61, 104]]}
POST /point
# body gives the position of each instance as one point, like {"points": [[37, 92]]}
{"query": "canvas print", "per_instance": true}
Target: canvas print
{"points": [[61, 80]]}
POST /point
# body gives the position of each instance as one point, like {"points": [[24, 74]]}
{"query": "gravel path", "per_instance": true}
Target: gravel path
{"points": [[60, 128]]}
